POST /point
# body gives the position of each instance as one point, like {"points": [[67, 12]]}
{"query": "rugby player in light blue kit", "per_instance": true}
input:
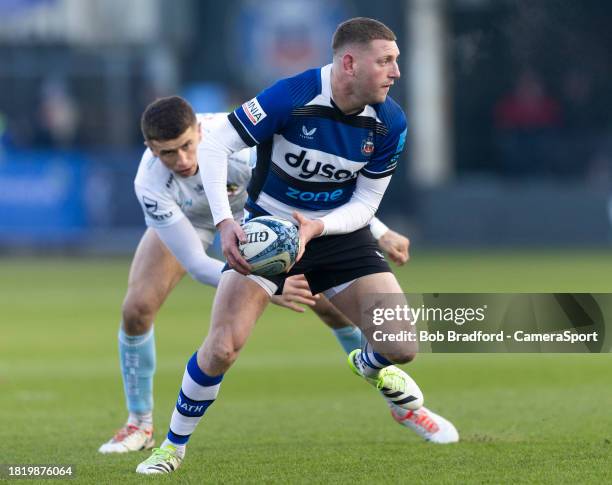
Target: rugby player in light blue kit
{"points": [[328, 141]]}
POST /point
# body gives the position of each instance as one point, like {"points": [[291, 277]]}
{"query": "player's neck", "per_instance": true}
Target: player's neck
{"points": [[343, 95]]}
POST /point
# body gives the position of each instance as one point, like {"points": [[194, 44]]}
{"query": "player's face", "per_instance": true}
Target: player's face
{"points": [[179, 154], [376, 70]]}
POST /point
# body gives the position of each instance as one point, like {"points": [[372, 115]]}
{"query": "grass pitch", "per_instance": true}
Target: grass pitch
{"points": [[290, 411]]}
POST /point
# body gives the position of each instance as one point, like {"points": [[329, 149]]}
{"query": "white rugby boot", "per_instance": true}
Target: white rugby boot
{"points": [[129, 438], [428, 425]]}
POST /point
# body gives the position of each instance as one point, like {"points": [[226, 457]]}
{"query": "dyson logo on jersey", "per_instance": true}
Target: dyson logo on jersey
{"points": [[309, 168]]}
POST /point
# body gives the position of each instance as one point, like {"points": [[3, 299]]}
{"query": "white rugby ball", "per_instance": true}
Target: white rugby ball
{"points": [[272, 245]]}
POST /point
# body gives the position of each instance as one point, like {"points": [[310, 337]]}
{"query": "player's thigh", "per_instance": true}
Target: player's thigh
{"points": [[153, 274], [365, 291], [377, 305], [329, 314], [239, 302]]}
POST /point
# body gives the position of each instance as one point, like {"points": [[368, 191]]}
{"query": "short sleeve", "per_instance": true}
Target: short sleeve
{"points": [[384, 161], [258, 119], [159, 210]]}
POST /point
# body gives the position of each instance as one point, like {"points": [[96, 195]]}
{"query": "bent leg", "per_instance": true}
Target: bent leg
{"points": [[371, 293], [153, 275], [239, 302], [424, 422], [362, 301]]}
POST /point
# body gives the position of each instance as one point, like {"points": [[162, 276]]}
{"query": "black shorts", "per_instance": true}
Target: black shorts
{"points": [[333, 260]]}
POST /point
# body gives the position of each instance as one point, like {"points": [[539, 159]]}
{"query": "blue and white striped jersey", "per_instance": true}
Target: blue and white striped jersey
{"points": [[309, 153]]}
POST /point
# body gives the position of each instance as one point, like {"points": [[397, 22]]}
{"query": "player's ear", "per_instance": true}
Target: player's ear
{"points": [[348, 64]]}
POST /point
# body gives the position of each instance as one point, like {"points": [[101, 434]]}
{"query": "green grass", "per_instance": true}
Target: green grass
{"points": [[289, 410]]}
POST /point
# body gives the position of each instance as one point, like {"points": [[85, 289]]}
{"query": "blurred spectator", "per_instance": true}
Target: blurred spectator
{"points": [[58, 116], [583, 120], [527, 121], [528, 107], [580, 105]]}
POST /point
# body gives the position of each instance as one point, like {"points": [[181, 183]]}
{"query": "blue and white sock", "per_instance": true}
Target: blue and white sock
{"points": [[370, 363], [349, 338], [137, 357], [198, 392]]}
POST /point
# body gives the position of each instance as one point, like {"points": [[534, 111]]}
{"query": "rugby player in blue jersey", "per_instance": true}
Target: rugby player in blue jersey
{"points": [[328, 141]]}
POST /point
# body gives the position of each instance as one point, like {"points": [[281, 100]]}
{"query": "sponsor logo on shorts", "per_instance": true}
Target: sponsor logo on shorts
{"points": [[254, 111]]}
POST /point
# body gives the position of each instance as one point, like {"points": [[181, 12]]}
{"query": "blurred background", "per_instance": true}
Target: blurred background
{"points": [[509, 106]]}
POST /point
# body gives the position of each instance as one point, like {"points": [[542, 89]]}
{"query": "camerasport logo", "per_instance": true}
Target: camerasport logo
{"points": [[254, 111]]}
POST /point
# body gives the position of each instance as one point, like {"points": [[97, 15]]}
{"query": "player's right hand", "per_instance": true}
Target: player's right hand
{"points": [[308, 229], [231, 234]]}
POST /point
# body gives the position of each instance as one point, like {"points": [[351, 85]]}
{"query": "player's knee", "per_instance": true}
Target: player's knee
{"points": [[224, 355], [137, 316]]}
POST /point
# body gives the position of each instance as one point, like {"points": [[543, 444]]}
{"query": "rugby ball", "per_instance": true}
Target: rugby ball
{"points": [[271, 246]]}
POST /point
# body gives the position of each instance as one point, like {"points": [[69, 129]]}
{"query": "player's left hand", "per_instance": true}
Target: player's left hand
{"points": [[296, 290], [309, 229], [396, 246]]}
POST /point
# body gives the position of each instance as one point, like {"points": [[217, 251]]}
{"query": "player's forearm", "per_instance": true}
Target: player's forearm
{"points": [[183, 242], [358, 212], [213, 152], [348, 218]]}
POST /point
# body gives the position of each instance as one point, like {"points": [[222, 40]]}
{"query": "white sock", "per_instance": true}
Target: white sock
{"points": [[198, 392], [369, 362], [142, 420], [180, 449]]}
